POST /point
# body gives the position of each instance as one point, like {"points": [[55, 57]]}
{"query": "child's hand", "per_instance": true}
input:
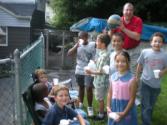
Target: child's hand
{"points": [[77, 45], [122, 27], [108, 110], [121, 115], [88, 71], [137, 80], [161, 73]]}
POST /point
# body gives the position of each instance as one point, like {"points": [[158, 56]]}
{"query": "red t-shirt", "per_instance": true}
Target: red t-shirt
{"points": [[135, 25]]}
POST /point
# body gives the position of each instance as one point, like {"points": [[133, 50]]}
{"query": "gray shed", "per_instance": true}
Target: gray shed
{"points": [[17, 20]]}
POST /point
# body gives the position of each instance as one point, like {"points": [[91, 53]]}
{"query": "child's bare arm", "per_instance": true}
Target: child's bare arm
{"points": [[109, 96], [97, 72], [163, 72], [73, 50], [81, 120], [138, 71]]}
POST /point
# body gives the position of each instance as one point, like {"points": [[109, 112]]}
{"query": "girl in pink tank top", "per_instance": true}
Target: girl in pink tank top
{"points": [[122, 93]]}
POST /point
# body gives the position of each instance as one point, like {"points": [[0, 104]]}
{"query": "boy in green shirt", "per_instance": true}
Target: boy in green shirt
{"points": [[101, 79]]}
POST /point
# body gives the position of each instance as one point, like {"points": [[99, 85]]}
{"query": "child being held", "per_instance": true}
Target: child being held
{"points": [[59, 110], [42, 104]]}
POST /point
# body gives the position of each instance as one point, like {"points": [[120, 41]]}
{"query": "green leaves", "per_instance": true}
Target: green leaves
{"points": [[68, 12]]}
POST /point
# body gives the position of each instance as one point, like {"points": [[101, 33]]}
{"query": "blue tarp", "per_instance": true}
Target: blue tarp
{"points": [[89, 24], [96, 24], [148, 30]]}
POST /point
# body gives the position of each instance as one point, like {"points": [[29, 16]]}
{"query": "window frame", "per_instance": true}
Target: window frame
{"points": [[6, 42]]}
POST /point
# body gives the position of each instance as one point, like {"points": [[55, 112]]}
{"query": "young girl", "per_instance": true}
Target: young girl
{"points": [[122, 92], [59, 110]]}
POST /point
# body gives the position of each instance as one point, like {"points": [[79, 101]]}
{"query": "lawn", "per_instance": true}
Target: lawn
{"points": [[159, 114]]}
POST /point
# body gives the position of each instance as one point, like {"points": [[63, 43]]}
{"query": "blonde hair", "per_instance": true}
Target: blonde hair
{"points": [[58, 88], [39, 72]]}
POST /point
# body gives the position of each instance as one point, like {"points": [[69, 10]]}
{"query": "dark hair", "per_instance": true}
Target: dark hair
{"points": [[82, 34], [38, 91], [125, 54], [159, 34], [104, 38], [119, 34]]}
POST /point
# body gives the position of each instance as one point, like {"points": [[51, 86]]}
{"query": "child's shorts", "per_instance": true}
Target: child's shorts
{"points": [[84, 80], [100, 93], [89, 81]]}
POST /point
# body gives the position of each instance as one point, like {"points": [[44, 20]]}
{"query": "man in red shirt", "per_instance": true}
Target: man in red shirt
{"points": [[131, 27]]}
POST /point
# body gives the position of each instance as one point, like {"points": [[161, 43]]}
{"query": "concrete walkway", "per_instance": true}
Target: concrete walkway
{"points": [[63, 75]]}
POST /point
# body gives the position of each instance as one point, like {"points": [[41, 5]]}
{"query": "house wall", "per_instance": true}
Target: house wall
{"points": [[17, 38], [9, 19]]}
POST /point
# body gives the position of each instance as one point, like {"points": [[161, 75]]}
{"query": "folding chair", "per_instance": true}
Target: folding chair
{"points": [[29, 102]]}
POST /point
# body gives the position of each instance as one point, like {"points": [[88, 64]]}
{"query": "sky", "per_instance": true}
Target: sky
{"points": [[16, 1]]}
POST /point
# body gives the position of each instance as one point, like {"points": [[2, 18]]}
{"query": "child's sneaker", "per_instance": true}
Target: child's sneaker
{"points": [[137, 101], [99, 116], [90, 112]]}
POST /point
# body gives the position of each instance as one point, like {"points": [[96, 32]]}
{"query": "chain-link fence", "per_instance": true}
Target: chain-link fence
{"points": [[25, 64], [60, 42], [15, 77], [7, 113]]}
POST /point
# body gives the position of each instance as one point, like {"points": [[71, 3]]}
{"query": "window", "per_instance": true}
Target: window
{"points": [[3, 36]]}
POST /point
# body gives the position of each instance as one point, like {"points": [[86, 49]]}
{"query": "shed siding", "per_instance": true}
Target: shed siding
{"points": [[8, 19]]}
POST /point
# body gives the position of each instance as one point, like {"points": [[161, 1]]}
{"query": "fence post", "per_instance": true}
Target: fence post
{"points": [[63, 49], [19, 120], [44, 56], [47, 48]]}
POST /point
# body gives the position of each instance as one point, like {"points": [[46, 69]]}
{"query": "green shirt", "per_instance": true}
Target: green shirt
{"points": [[101, 80]]}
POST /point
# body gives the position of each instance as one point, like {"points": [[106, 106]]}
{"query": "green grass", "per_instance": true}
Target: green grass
{"points": [[159, 114], [160, 111]]}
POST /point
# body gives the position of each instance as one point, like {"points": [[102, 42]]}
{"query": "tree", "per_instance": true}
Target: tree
{"points": [[69, 11]]}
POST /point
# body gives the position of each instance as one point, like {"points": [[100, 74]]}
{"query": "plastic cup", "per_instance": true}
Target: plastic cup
{"points": [[106, 69], [156, 73], [81, 41], [55, 81], [92, 65], [64, 122], [113, 115], [86, 68]]}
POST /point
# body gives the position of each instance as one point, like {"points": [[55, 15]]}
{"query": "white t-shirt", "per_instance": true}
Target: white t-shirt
{"points": [[112, 63], [150, 61], [84, 54]]}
